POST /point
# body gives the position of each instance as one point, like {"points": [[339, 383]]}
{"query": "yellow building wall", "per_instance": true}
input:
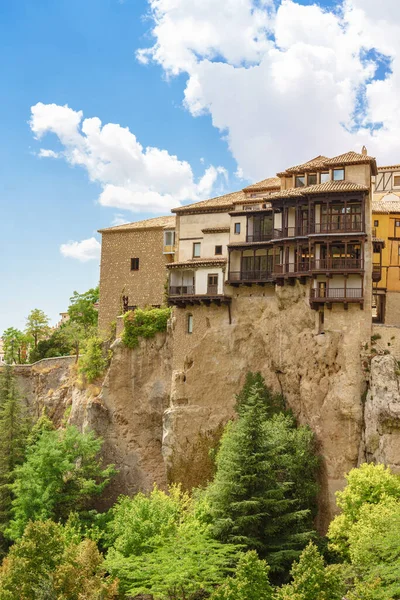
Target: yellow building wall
{"points": [[390, 253]]}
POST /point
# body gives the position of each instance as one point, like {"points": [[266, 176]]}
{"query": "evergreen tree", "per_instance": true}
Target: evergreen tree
{"points": [[37, 326], [250, 582], [274, 403], [250, 496], [14, 427]]}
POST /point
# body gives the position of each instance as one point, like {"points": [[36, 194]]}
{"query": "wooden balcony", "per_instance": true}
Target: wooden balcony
{"points": [[342, 265], [182, 296], [376, 272], [341, 224], [250, 277], [334, 295]]}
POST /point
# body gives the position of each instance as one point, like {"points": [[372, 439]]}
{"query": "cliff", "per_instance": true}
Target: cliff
{"points": [[163, 405]]}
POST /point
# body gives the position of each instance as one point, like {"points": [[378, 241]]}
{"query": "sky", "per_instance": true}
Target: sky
{"points": [[118, 110]]}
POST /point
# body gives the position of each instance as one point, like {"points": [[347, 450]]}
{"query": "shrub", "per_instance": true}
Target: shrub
{"points": [[144, 323], [93, 362]]}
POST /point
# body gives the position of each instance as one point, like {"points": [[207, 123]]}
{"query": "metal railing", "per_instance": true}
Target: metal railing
{"points": [[336, 293], [181, 290], [212, 289], [260, 237]]}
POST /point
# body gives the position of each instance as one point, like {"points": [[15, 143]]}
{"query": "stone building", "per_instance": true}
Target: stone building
{"points": [[386, 258], [132, 271]]}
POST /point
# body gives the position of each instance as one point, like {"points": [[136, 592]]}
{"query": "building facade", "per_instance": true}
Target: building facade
{"points": [[132, 271], [386, 233]]}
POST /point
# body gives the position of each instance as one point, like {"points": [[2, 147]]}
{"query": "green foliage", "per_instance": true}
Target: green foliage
{"points": [[51, 561], [252, 498], [160, 546], [82, 309], [144, 323], [93, 362], [368, 484], [57, 344], [37, 326], [250, 582], [15, 346], [274, 403], [14, 428], [374, 549], [312, 580], [61, 473]]}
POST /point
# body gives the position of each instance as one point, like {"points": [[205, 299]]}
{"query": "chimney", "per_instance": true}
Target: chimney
{"points": [[364, 151]]}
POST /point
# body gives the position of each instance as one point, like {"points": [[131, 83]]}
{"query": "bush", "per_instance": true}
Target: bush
{"points": [[93, 362], [144, 323]]}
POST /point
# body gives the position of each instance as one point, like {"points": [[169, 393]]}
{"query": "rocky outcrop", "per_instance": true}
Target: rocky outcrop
{"points": [[382, 413]]}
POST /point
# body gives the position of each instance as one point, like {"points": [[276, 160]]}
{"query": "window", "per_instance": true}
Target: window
{"points": [[397, 223], [324, 177], [190, 323], [396, 180], [398, 250], [311, 179], [300, 181], [376, 223], [218, 249], [169, 238], [134, 264], [338, 174], [237, 228], [196, 250]]}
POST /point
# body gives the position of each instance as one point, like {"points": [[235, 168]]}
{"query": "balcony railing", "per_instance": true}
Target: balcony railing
{"points": [[336, 294], [212, 289], [260, 237], [337, 264], [182, 290], [343, 223], [376, 272], [256, 275], [168, 249]]}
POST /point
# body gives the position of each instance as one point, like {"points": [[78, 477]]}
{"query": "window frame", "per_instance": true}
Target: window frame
{"points": [[340, 169], [324, 173], [376, 223], [312, 175], [135, 268], [397, 175], [297, 178], [235, 227], [215, 250], [189, 324], [195, 244]]}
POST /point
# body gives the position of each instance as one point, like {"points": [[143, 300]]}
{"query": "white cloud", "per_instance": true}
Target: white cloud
{"points": [[44, 153], [285, 85], [119, 220], [83, 251], [132, 177]]}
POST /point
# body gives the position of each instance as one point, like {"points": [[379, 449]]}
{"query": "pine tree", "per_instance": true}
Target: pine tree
{"points": [[274, 403], [14, 427], [250, 498]]}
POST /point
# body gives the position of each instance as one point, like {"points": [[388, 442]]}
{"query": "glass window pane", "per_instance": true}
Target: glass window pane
{"points": [[324, 177], [338, 174], [311, 179], [196, 250], [300, 181]]}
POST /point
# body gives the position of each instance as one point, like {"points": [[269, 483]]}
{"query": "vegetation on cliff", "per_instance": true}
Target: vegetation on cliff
{"points": [[246, 536], [144, 324]]}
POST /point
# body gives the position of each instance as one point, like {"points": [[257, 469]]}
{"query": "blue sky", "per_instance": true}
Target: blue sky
{"points": [[82, 53]]}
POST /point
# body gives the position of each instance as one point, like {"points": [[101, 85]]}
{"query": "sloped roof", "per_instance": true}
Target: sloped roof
{"points": [[156, 223], [315, 163], [322, 162], [271, 183], [389, 168], [320, 188], [214, 204], [198, 262], [390, 203]]}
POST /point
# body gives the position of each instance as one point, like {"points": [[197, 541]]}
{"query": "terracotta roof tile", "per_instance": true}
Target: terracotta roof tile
{"points": [[349, 158], [216, 230], [271, 183], [156, 223], [320, 188], [389, 168], [386, 205], [217, 203], [315, 163]]}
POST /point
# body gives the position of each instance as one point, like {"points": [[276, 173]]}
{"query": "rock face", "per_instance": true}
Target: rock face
{"points": [[382, 413], [163, 405]]}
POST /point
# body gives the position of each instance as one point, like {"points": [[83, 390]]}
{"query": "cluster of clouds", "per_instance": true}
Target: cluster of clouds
{"points": [[280, 80]]}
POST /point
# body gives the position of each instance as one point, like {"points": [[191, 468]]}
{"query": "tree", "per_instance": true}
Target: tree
{"points": [[160, 546], [15, 346], [274, 403], [312, 580], [75, 336], [250, 582], [14, 429], [37, 325], [94, 362], [52, 561], [61, 473], [57, 344], [250, 498], [368, 484], [82, 309]]}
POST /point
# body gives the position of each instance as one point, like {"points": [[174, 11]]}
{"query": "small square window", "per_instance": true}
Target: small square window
{"points": [[237, 228], [324, 177], [218, 249], [196, 249], [190, 323], [396, 180], [376, 223], [311, 179], [300, 181], [399, 250], [397, 223], [134, 264], [338, 174]]}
